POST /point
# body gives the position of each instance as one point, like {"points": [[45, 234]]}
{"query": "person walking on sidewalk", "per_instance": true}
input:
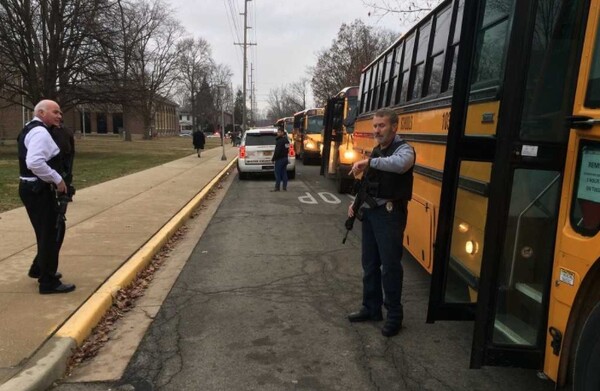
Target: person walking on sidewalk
{"points": [[198, 139], [389, 179], [280, 158], [41, 186]]}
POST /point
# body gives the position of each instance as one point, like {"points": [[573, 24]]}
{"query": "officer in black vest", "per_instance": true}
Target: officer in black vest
{"points": [[41, 166], [389, 188]]}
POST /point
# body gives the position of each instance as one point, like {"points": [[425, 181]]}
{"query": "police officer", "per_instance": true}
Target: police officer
{"points": [[40, 163], [389, 188], [280, 158]]}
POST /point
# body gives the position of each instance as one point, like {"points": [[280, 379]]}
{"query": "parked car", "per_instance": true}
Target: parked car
{"points": [[256, 150]]}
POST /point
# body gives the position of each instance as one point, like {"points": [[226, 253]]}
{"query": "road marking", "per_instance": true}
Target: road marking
{"points": [[308, 199], [326, 196], [329, 198]]}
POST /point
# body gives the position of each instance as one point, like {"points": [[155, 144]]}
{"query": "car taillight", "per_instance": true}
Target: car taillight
{"points": [[242, 152], [292, 153]]}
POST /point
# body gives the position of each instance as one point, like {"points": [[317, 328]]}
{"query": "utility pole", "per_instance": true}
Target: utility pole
{"points": [[252, 93], [245, 45]]}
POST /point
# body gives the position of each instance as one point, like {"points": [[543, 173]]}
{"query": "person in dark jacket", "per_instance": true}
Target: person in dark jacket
{"points": [[280, 158], [389, 188], [198, 139], [40, 182]]}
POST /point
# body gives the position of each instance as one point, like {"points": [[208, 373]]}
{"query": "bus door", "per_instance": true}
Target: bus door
{"points": [[332, 133], [501, 188]]}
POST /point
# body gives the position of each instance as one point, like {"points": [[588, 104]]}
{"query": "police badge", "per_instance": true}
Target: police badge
{"points": [[389, 206]]}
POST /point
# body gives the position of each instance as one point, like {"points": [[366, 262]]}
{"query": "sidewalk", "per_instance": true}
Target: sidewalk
{"points": [[107, 226]]}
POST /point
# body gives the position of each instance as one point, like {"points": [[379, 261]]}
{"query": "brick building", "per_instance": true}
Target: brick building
{"points": [[95, 119]]}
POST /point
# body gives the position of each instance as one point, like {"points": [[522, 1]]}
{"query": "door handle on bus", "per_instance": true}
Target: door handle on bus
{"points": [[581, 122]]}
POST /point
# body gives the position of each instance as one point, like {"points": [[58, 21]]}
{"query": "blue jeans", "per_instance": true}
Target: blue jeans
{"points": [[382, 234], [281, 173]]}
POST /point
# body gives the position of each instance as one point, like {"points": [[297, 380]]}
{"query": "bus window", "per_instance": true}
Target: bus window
{"points": [[408, 53], [491, 49], [442, 27], [585, 209], [592, 97], [367, 91], [470, 217], [397, 65], [384, 101], [548, 93], [453, 50], [362, 93], [419, 67], [315, 124]]}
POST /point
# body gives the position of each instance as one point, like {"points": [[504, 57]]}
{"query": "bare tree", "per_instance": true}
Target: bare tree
{"points": [[287, 99], [47, 48], [340, 65], [154, 57], [194, 63], [405, 11], [299, 92]]}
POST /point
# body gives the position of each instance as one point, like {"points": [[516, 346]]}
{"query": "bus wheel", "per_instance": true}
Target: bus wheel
{"points": [[586, 373], [292, 174]]}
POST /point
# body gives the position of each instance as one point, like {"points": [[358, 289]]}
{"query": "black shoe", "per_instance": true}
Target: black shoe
{"points": [[390, 329], [365, 316], [62, 288], [33, 274], [284, 189]]}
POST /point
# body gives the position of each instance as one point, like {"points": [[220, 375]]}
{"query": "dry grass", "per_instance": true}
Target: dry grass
{"points": [[99, 159]]}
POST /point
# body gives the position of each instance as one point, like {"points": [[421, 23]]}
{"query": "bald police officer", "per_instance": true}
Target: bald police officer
{"points": [[41, 172]]}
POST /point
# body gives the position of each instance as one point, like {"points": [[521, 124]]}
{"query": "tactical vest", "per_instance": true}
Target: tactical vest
{"points": [[56, 163], [389, 185]]}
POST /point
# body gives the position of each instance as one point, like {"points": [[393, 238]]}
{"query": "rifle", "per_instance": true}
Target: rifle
{"points": [[362, 196], [62, 199], [358, 201]]}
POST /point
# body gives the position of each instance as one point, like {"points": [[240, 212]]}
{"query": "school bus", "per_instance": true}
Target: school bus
{"points": [[308, 125], [507, 188], [338, 148], [287, 123]]}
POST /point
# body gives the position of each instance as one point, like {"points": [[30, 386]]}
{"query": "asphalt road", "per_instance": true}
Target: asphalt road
{"points": [[261, 304]]}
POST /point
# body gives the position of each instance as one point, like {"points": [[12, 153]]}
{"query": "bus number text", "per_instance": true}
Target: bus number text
{"points": [[446, 120], [406, 123]]}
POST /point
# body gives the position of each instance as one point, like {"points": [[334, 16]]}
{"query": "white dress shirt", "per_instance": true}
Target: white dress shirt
{"points": [[40, 149]]}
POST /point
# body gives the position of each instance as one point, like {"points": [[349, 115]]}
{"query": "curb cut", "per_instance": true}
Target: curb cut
{"points": [[50, 362]]}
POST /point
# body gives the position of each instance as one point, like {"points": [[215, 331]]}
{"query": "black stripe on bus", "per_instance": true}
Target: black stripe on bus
{"points": [[472, 185], [425, 138]]}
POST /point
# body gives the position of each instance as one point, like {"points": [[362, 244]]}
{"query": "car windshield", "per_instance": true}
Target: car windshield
{"points": [[315, 124], [260, 139]]}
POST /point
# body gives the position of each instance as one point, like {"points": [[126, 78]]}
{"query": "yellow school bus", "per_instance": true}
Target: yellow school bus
{"points": [[308, 125], [287, 124], [338, 145], [506, 203]]}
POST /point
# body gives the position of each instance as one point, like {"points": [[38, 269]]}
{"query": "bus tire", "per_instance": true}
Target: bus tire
{"points": [[586, 371], [292, 174], [242, 175]]}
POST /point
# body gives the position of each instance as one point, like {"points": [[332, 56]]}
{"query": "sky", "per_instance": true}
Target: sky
{"points": [[288, 34]]}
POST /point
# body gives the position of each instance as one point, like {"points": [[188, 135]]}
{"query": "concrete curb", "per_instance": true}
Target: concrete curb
{"points": [[49, 363]]}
